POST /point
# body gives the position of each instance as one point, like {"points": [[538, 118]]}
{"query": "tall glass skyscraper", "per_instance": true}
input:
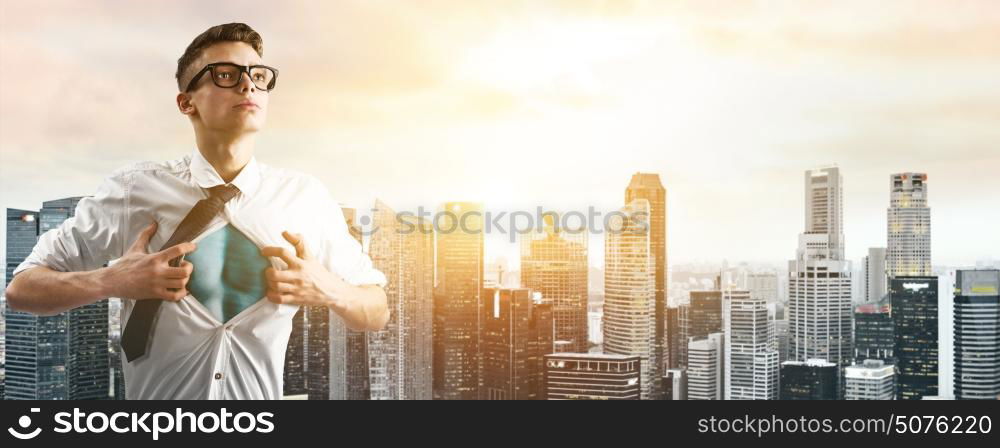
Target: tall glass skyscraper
{"points": [[317, 351], [698, 318], [820, 312], [516, 335], [672, 351], [554, 263], [59, 357], [977, 335], [295, 356], [400, 355], [873, 333], [22, 234], [915, 318], [648, 186], [909, 226], [3, 344], [457, 303], [629, 293], [348, 362]]}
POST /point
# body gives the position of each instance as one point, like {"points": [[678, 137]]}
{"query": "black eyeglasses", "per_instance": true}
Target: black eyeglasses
{"points": [[229, 75]]}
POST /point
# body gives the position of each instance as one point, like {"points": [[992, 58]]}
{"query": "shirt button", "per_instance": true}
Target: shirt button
{"points": [[218, 376]]}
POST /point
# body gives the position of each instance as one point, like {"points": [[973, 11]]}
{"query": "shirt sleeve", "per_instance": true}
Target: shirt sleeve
{"points": [[88, 239], [339, 251]]}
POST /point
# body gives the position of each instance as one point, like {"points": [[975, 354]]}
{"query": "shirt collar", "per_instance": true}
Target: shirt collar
{"points": [[205, 176]]}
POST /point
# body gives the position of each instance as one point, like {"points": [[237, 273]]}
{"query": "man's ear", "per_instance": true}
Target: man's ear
{"points": [[185, 105]]}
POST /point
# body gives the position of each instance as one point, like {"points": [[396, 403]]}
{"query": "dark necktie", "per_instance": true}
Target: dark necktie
{"points": [[139, 329]]}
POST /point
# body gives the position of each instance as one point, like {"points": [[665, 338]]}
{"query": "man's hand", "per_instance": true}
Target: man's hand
{"points": [[306, 281], [141, 275]]}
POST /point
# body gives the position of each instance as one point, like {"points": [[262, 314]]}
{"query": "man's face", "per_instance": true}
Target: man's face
{"points": [[239, 109]]}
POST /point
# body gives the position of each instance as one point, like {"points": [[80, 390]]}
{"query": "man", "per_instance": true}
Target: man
{"points": [[215, 251]]}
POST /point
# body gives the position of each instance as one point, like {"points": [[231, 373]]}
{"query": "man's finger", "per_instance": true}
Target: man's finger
{"points": [[178, 272], [298, 242], [142, 242], [175, 251], [174, 283], [281, 287], [274, 275], [273, 251]]}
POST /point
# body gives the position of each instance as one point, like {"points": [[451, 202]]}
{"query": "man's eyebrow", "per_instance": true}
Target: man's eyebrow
{"points": [[234, 63]]}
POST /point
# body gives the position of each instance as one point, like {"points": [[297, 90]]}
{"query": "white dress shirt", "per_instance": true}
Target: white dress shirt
{"points": [[193, 355]]}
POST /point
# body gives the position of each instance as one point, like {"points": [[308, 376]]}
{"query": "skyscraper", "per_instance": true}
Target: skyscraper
{"points": [[53, 357], [22, 233], [915, 318], [814, 379], [782, 335], [874, 282], [672, 350], [698, 318], [977, 335], [117, 391], [324, 359], [89, 365], [3, 345], [706, 367], [873, 333], [317, 351], [824, 214], [872, 380], [819, 279], [295, 356], [909, 226], [629, 292], [648, 186], [3, 331], [554, 263], [400, 355], [457, 304], [349, 376], [517, 330], [591, 376], [751, 357]]}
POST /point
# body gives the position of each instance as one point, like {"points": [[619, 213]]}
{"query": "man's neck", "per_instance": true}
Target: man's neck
{"points": [[227, 156]]}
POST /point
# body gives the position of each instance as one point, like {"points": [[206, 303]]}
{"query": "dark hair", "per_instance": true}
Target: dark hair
{"points": [[230, 32]]}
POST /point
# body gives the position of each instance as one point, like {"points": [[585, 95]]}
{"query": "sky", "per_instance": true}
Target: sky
{"points": [[520, 104]]}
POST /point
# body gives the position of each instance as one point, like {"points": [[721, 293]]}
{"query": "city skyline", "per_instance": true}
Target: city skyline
{"points": [[740, 362], [761, 94]]}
